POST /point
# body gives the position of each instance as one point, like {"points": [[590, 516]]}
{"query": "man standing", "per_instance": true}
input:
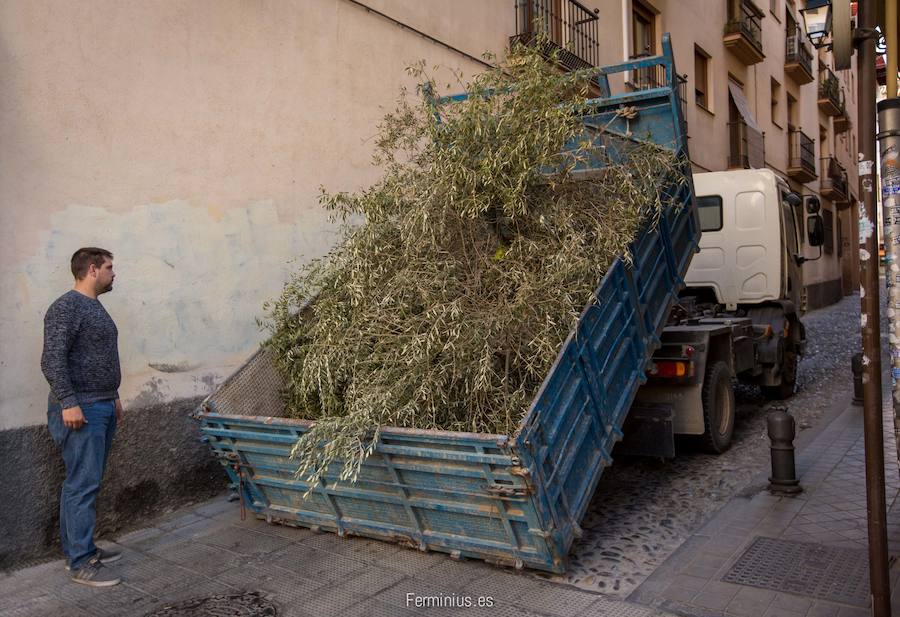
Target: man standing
{"points": [[81, 364]]}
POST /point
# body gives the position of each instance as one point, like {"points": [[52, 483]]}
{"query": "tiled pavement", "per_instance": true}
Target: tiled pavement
{"points": [[207, 550], [830, 512]]}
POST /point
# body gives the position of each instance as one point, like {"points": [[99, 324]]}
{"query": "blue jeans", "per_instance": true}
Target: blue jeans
{"points": [[85, 452]]}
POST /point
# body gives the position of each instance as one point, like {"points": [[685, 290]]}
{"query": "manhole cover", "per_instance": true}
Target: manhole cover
{"points": [[250, 604], [804, 568]]}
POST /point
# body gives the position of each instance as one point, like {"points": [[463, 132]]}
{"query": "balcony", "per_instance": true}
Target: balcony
{"points": [[745, 146], [833, 185], [831, 95], [798, 59], [565, 27], [743, 31], [801, 157], [842, 122]]}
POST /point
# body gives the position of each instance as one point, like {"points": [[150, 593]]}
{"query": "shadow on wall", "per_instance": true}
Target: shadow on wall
{"points": [[157, 463]]}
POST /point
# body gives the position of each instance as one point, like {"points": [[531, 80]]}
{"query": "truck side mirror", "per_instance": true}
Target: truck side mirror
{"points": [[815, 230], [793, 199]]}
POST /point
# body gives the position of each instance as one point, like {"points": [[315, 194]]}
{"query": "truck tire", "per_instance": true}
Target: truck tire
{"points": [[788, 377], [718, 409]]}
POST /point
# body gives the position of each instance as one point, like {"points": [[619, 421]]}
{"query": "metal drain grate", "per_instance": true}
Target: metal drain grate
{"points": [[803, 568], [250, 604]]}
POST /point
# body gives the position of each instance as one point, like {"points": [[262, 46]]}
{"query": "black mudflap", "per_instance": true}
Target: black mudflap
{"points": [[648, 431]]}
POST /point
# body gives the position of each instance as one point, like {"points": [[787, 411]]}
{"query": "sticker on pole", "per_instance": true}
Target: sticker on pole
{"points": [[866, 228], [865, 168]]}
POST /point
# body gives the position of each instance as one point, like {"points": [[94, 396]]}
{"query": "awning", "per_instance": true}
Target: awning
{"points": [[756, 153]]}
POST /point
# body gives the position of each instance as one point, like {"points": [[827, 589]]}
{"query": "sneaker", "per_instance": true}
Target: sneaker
{"points": [[104, 556], [94, 574]]}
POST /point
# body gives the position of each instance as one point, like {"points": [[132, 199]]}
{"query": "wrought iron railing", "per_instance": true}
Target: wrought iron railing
{"points": [[834, 177], [740, 146], [649, 77], [567, 27], [745, 19], [797, 52], [830, 87], [801, 152]]}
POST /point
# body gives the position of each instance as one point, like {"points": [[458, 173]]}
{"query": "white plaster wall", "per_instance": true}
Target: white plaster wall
{"points": [[190, 139]]}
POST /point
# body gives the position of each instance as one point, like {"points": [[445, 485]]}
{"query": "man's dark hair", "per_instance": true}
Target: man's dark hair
{"points": [[84, 257]]}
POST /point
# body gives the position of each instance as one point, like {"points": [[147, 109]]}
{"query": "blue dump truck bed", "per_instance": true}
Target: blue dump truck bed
{"points": [[514, 500]]}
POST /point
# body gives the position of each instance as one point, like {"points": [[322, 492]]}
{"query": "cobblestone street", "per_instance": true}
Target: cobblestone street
{"points": [[644, 510]]}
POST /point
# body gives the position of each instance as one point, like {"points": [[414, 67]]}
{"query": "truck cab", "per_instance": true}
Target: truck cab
{"points": [[738, 317], [750, 246]]}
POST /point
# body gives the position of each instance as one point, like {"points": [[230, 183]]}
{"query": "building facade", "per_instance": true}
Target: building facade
{"points": [[190, 138]]}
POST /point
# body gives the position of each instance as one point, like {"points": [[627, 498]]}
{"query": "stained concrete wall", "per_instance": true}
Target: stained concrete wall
{"points": [[157, 463], [190, 138]]}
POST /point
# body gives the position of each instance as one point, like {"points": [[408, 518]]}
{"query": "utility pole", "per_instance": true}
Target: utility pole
{"points": [[871, 315]]}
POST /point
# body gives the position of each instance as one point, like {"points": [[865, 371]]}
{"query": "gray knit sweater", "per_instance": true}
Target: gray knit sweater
{"points": [[81, 354]]}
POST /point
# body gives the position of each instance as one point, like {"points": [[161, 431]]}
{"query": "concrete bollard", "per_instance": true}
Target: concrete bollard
{"points": [[856, 366], [782, 430]]}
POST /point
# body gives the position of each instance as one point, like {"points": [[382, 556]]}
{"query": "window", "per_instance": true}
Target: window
{"points": [[709, 209], [773, 9], [824, 150], [828, 224], [643, 30], [789, 223], [776, 108], [793, 118], [701, 78]]}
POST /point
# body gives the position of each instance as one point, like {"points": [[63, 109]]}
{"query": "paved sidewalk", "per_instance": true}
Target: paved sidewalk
{"points": [[208, 551], [768, 556]]}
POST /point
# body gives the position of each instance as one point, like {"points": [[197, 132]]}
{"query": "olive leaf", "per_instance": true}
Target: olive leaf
{"points": [[461, 271]]}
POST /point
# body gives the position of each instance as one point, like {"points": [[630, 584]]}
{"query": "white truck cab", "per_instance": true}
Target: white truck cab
{"points": [[750, 244]]}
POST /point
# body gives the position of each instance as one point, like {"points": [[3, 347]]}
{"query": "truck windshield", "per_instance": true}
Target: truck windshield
{"points": [[790, 227]]}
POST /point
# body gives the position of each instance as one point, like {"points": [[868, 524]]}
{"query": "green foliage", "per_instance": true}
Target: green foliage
{"points": [[478, 248]]}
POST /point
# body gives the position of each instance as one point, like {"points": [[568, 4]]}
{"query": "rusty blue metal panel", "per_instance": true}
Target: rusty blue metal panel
{"points": [[455, 492], [513, 500]]}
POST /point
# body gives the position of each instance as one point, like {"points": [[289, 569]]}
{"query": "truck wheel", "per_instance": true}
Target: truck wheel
{"points": [[718, 408], [788, 378]]}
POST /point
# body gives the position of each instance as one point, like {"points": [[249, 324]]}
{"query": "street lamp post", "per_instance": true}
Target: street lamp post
{"points": [[817, 19]]}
